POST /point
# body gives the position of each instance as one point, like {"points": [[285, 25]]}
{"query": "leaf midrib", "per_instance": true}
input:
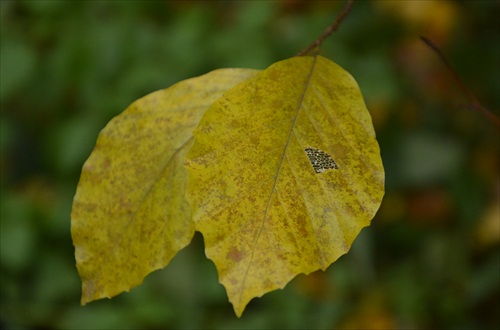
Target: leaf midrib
{"points": [[278, 171]]}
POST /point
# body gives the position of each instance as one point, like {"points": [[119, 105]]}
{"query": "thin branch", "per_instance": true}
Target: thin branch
{"points": [[474, 103], [330, 29]]}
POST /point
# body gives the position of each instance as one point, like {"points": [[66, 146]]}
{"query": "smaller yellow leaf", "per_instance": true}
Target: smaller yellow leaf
{"points": [[129, 213]]}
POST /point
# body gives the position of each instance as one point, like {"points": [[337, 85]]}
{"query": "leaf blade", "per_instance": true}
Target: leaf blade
{"points": [[129, 214], [291, 222]]}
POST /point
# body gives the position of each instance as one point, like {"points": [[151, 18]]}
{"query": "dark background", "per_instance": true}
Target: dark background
{"points": [[431, 258]]}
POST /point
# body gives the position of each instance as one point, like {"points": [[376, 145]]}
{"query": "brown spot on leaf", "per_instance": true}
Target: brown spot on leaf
{"points": [[234, 254]]}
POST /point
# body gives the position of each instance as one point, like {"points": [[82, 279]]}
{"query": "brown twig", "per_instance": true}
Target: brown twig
{"points": [[330, 29], [474, 103]]}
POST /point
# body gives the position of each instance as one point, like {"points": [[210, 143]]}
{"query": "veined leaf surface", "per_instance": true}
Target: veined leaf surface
{"points": [[129, 215], [284, 172]]}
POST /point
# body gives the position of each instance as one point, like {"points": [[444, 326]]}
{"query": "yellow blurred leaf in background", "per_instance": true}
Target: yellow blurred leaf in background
{"points": [[284, 172], [129, 215], [432, 18], [487, 233]]}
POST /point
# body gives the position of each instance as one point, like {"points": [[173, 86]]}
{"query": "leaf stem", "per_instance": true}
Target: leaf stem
{"points": [[474, 103], [330, 29]]}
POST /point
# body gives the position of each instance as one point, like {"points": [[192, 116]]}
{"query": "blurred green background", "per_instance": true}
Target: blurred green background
{"points": [[431, 258]]}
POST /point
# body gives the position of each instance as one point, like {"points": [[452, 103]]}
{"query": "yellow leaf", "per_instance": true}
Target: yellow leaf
{"points": [[129, 214], [284, 172]]}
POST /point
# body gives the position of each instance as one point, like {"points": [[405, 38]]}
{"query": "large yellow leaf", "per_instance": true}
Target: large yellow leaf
{"points": [[284, 172], [129, 215]]}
